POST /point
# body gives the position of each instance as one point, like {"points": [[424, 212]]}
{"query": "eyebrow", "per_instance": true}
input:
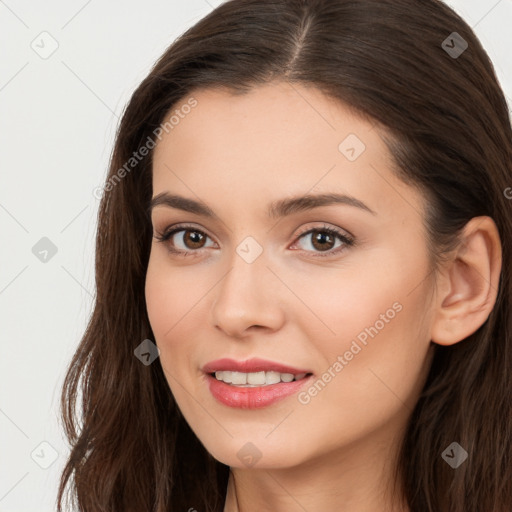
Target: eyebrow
{"points": [[276, 209]]}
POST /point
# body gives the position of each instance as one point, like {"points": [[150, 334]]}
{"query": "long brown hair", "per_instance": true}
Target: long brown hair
{"points": [[450, 135]]}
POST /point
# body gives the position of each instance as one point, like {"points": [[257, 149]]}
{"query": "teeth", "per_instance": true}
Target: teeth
{"points": [[254, 379], [225, 376], [238, 378], [272, 377]]}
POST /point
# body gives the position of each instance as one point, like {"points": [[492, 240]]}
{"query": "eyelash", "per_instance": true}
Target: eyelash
{"points": [[347, 240]]}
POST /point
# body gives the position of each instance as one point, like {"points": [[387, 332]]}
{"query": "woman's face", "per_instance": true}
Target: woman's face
{"points": [[262, 278]]}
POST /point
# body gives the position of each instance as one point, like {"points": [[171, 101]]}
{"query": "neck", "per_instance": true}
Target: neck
{"points": [[351, 480]]}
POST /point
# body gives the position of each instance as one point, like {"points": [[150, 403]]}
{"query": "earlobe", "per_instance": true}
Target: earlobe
{"points": [[468, 284]]}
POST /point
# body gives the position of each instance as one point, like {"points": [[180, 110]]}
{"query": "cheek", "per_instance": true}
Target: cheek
{"points": [[172, 294], [165, 302], [370, 330], [339, 302], [160, 300], [384, 375], [175, 299], [372, 376]]}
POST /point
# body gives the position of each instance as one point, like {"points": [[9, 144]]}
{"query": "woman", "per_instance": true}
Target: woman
{"points": [[303, 272]]}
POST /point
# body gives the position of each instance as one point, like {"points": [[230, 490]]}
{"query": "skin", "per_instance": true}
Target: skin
{"points": [[236, 154]]}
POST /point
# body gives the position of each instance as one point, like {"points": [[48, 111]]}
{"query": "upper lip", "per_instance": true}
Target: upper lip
{"points": [[249, 366]]}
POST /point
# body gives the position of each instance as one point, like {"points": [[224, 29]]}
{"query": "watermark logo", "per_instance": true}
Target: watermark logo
{"points": [[146, 352], [45, 45], [454, 455], [454, 45], [249, 249], [44, 250], [249, 454], [44, 455], [352, 147]]}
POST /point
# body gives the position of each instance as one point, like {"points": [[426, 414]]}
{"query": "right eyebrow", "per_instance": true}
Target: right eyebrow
{"points": [[276, 209], [181, 203]]}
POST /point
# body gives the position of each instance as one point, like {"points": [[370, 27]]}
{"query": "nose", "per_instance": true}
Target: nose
{"points": [[248, 299]]}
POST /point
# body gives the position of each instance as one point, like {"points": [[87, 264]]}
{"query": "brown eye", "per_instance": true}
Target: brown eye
{"points": [[193, 239], [185, 240], [322, 240]]}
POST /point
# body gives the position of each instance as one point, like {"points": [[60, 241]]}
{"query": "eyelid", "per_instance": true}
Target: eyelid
{"points": [[325, 226], [168, 232], [348, 240]]}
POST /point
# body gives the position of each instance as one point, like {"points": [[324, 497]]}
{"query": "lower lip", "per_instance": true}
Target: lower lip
{"points": [[252, 398]]}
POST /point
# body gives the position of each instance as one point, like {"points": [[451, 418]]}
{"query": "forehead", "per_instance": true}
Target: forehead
{"points": [[276, 140]]}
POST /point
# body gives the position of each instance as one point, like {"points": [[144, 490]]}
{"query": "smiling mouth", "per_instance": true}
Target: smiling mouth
{"points": [[256, 379]]}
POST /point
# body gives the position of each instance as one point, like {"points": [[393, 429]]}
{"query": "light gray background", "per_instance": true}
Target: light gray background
{"points": [[59, 116]]}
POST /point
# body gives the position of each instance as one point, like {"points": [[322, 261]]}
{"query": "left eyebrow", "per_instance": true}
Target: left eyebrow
{"points": [[284, 207], [276, 209]]}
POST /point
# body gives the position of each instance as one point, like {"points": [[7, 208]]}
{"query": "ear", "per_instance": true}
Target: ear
{"points": [[467, 286]]}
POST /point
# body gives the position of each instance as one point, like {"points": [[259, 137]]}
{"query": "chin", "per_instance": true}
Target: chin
{"points": [[243, 453]]}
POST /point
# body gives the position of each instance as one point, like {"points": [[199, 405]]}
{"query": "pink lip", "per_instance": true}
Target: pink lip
{"points": [[250, 365], [251, 397]]}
